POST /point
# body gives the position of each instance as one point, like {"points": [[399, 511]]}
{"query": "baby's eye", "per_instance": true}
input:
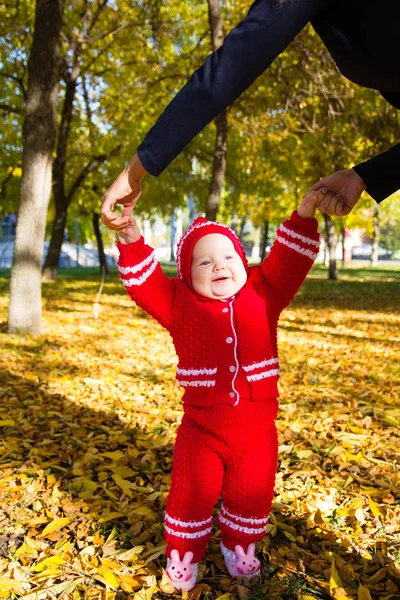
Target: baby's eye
{"points": [[205, 262], [228, 257]]}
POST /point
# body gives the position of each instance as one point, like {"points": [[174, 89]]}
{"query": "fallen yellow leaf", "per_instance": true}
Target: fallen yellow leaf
{"points": [[7, 423], [111, 516], [56, 525], [363, 593], [375, 508], [335, 581], [109, 577], [51, 561]]}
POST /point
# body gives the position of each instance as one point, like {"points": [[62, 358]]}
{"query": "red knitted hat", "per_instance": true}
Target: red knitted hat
{"points": [[191, 236]]}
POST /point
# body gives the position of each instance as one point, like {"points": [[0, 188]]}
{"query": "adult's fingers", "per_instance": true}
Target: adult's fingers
{"points": [[331, 204], [321, 185], [128, 206], [315, 196], [113, 220], [321, 197]]}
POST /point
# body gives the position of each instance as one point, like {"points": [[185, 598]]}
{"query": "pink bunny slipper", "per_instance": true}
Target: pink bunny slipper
{"points": [[183, 574], [239, 563]]}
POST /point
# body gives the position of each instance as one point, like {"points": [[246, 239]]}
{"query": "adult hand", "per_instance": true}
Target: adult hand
{"points": [[125, 190], [339, 192]]}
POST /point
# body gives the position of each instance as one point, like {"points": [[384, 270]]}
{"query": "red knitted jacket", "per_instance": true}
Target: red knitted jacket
{"points": [[227, 349]]}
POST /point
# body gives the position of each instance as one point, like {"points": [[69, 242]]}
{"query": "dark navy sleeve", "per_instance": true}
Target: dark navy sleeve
{"points": [[381, 174], [247, 51]]}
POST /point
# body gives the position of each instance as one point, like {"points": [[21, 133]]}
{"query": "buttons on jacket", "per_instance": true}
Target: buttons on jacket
{"points": [[229, 359]]}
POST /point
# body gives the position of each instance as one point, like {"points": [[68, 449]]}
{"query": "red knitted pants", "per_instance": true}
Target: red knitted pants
{"points": [[222, 450]]}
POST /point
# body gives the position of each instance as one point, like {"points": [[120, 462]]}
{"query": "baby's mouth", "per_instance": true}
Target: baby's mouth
{"points": [[220, 279]]}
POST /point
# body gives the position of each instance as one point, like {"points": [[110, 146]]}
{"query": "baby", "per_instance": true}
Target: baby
{"points": [[222, 316]]}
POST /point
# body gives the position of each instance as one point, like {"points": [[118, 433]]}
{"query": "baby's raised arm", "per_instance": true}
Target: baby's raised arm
{"points": [[293, 252], [142, 275]]}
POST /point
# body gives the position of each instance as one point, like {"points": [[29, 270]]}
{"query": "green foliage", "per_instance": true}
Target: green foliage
{"points": [[299, 121]]}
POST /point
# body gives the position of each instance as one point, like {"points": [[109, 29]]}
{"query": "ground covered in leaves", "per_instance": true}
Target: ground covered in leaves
{"points": [[88, 416]]}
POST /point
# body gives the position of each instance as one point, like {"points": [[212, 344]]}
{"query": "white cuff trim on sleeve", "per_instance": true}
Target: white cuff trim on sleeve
{"points": [[140, 280], [139, 267], [297, 248], [303, 238]]}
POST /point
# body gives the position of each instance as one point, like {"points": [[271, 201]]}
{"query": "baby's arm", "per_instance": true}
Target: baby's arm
{"points": [[142, 275], [293, 252]]}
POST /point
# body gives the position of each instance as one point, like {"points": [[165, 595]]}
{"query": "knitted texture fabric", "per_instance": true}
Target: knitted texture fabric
{"points": [[228, 451], [225, 348], [228, 360], [199, 228]]}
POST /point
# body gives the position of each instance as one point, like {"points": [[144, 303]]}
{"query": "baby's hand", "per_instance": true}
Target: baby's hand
{"points": [[130, 233], [309, 204]]}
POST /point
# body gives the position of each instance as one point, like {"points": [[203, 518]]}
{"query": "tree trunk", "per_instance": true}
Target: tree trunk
{"points": [[39, 136], [100, 246], [50, 268], [331, 243], [234, 221], [326, 255], [242, 225], [375, 237], [264, 240], [343, 239], [221, 122], [61, 199], [61, 196]]}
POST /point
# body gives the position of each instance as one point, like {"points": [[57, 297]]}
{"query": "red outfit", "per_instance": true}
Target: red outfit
{"points": [[228, 361]]}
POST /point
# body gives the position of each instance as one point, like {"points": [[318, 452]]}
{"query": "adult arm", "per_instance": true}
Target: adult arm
{"points": [[247, 52], [381, 174]]}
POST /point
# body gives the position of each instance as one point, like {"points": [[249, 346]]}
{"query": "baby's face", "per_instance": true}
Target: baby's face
{"points": [[217, 269]]}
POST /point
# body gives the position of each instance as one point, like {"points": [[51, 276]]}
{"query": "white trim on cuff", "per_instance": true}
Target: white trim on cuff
{"points": [[140, 280], [262, 375], [296, 248], [232, 525], [186, 523], [183, 534], [138, 267], [294, 234]]}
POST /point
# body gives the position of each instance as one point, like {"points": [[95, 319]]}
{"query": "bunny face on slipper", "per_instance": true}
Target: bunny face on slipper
{"points": [[177, 570], [240, 563], [247, 564]]}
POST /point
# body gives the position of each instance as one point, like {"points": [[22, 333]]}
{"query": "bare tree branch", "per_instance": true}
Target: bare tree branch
{"points": [[91, 166], [19, 80], [7, 179], [7, 108], [89, 113]]}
